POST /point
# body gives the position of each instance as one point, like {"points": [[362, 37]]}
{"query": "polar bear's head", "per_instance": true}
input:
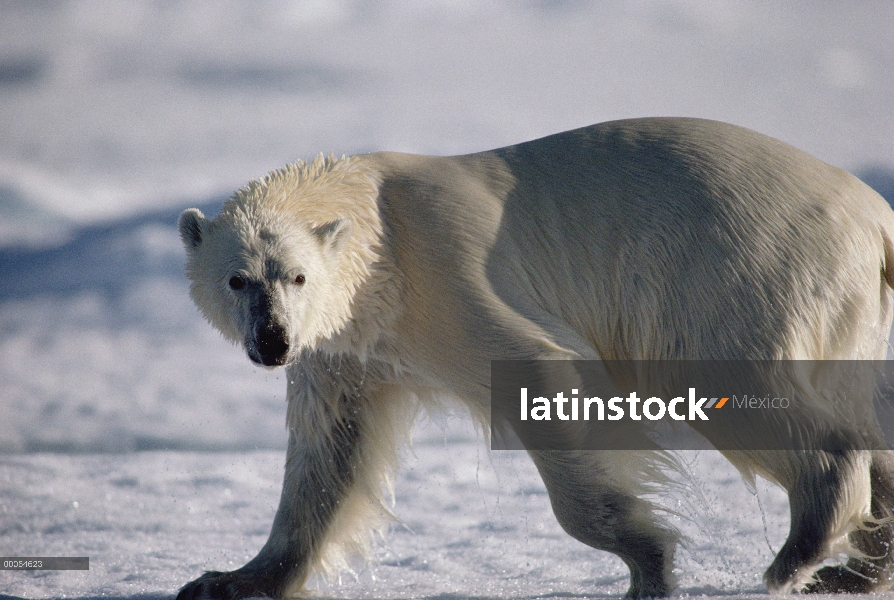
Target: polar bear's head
{"points": [[263, 277]]}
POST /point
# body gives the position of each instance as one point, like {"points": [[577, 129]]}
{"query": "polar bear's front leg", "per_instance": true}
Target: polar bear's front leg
{"points": [[324, 466], [594, 496], [317, 479]]}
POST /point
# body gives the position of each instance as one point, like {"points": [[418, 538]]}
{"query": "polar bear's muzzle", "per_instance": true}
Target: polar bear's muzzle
{"points": [[267, 340], [271, 344]]}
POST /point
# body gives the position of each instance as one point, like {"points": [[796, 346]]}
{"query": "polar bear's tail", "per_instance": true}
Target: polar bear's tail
{"points": [[889, 259]]}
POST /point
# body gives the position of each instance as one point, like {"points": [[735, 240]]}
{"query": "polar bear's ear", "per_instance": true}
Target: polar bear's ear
{"points": [[334, 234], [191, 225]]}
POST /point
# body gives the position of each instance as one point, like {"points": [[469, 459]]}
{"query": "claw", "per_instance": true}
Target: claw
{"points": [[232, 585]]}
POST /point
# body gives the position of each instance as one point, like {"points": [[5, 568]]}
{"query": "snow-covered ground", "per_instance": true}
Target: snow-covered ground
{"points": [[473, 525], [131, 433]]}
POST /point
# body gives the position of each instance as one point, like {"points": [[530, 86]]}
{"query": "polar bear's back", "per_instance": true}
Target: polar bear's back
{"points": [[655, 238]]}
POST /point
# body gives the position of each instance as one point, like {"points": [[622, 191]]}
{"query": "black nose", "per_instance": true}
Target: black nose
{"points": [[273, 344]]}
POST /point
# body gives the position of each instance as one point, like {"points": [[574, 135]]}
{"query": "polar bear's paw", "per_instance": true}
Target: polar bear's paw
{"points": [[839, 580], [230, 585]]}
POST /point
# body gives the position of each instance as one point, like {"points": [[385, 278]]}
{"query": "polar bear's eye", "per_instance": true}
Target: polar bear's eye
{"points": [[236, 283], [300, 280]]}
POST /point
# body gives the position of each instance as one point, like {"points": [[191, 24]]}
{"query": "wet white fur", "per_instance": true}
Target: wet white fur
{"points": [[644, 239]]}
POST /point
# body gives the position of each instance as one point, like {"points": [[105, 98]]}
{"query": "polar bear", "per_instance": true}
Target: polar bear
{"points": [[383, 281]]}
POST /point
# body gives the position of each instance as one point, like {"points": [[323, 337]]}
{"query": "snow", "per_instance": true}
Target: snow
{"points": [[473, 524], [132, 433]]}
